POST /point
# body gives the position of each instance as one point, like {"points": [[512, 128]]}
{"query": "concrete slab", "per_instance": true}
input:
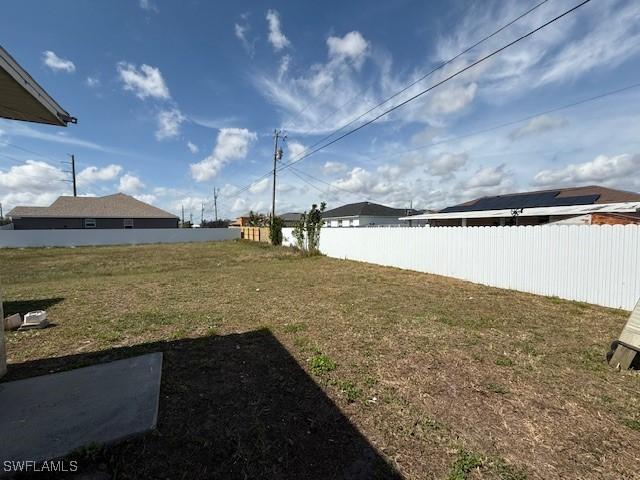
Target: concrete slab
{"points": [[49, 416]]}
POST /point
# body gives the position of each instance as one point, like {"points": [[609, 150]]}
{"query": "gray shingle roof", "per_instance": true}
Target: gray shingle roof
{"points": [[368, 209], [118, 205]]}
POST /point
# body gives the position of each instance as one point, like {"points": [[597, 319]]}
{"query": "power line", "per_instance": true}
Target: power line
{"points": [[440, 66], [304, 155], [450, 77], [428, 74], [513, 122], [28, 151]]}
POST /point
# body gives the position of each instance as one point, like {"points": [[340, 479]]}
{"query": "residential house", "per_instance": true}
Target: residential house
{"points": [[366, 214], [111, 211], [290, 219], [577, 205]]}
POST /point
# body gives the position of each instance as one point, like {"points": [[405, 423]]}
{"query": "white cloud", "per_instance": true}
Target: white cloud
{"points": [[93, 81], [54, 62], [130, 184], [241, 31], [352, 46], [146, 198], [294, 150], [543, 123], [284, 66], [612, 37], [447, 163], [231, 144], [260, 186], [94, 174], [331, 168], [145, 82], [148, 5], [193, 148], [602, 169], [485, 181], [169, 122], [34, 183], [276, 37], [23, 130], [452, 99]]}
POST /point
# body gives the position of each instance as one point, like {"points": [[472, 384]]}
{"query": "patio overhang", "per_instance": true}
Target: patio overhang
{"points": [[21, 98]]}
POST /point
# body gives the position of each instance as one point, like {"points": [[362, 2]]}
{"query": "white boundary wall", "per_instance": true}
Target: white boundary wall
{"points": [[77, 238], [597, 264]]}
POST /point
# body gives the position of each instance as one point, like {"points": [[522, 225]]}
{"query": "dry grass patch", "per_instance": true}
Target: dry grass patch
{"points": [[445, 378]]}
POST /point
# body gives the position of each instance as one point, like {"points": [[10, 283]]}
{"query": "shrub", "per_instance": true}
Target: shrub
{"points": [[307, 230], [321, 364], [275, 231]]}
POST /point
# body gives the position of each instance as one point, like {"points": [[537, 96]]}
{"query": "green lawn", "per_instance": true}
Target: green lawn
{"points": [[278, 366]]}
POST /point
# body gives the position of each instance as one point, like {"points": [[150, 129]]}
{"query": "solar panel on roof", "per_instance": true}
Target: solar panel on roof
{"points": [[525, 200]]}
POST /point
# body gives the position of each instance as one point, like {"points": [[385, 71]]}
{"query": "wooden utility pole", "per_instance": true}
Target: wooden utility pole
{"points": [[202, 214], [215, 203], [182, 224], [277, 155], [73, 172]]}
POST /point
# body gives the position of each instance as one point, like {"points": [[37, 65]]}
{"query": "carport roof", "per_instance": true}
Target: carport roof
{"points": [[21, 98]]}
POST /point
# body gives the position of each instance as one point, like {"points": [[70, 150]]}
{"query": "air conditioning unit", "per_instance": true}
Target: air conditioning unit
{"points": [[624, 351]]}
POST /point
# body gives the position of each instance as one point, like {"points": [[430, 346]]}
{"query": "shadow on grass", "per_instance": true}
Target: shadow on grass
{"points": [[234, 406], [24, 306]]}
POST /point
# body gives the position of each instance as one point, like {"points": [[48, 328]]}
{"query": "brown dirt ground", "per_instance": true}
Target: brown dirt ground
{"points": [[278, 366]]}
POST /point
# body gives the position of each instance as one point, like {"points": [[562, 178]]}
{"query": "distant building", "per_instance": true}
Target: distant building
{"points": [[591, 205], [290, 219], [366, 214], [112, 211], [242, 221]]}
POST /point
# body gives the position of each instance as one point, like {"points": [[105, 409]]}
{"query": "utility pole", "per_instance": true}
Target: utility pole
{"points": [[182, 224], [202, 214], [1, 215], [277, 155], [73, 173], [215, 203]]}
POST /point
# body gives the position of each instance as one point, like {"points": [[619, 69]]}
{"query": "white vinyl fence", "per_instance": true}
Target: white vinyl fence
{"points": [[598, 264], [77, 238]]}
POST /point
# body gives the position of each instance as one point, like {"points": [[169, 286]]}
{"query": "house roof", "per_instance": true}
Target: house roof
{"points": [[23, 99], [118, 205], [622, 207], [587, 195], [367, 209], [290, 216]]}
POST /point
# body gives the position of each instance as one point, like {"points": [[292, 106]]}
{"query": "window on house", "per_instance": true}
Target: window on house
{"points": [[128, 223], [339, 223], [89, 223]]}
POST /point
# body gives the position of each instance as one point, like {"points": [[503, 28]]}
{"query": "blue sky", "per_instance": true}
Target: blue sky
{"points": [[176, 98]]}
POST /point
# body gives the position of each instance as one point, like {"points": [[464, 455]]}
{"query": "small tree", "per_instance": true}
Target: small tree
{"points": [[258, 219], [307, 230], [275, 230]]}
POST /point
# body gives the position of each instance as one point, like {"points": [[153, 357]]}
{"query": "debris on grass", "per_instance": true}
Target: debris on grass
{"points": [[12, 322]]}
